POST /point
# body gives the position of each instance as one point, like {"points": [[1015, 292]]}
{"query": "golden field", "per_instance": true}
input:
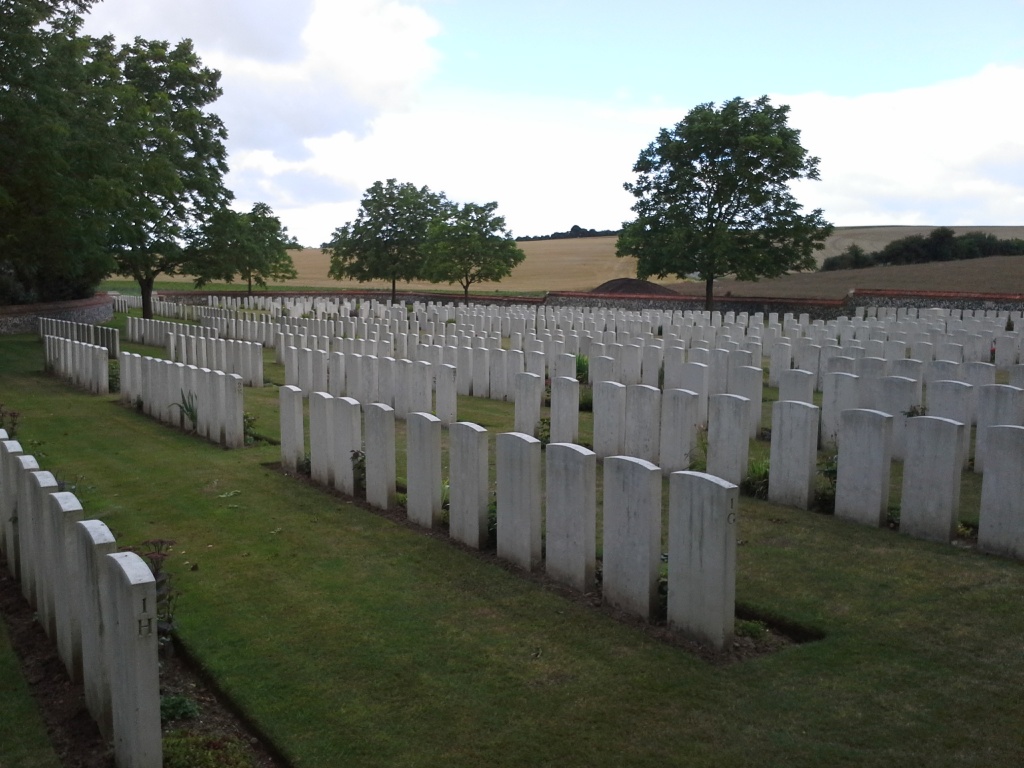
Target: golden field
{"points": [[582, 264]]}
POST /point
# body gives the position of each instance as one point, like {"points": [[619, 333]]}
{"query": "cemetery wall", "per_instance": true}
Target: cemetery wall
{"points": [[24, 318]]}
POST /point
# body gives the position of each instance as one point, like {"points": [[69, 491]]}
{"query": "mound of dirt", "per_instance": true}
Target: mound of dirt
{"points": [[626, 286]]}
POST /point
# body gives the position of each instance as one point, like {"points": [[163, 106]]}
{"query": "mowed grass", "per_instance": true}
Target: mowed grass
{"points": [[352, 639]]}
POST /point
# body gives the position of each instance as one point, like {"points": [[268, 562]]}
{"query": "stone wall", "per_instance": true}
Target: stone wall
{"points": [[24, 318]]}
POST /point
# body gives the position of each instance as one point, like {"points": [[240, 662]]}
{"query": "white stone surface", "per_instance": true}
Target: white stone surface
{"points": [[702, 557], [571, 515]]}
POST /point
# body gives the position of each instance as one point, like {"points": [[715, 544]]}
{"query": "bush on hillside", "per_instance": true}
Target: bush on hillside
{"points": [[941, 244]]}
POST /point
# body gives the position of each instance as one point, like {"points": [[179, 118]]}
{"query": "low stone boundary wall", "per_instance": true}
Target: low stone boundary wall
{"points": [[97, 605], [24, 318]]}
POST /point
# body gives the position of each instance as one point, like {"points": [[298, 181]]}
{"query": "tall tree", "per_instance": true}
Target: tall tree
{"points": [[470, 244], [55, 128], [252, 246], [173, 159], [713, 198], [387, 240]]}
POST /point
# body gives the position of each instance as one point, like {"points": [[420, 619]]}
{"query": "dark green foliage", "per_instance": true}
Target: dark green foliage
{"points": [[359, 472], [55, 127], [713, 198], [172, 157], [253, 246], [825, 496], [941, 244], [582, 369], [388, 239], [177, 708], [468, 244], [756, 482]]}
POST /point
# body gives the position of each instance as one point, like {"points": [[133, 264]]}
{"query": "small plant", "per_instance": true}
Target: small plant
{"points": [[155, 552], [699, 456], [71, 486], [306, 465], [359, 472], [138, 403], [966, 531], [582, 369], [174, 707], [756, 482], [544, 430], [825, 497], [916, 410], [249, 428], [188, 408], [114, 376], [9, 420], [892, 517]]}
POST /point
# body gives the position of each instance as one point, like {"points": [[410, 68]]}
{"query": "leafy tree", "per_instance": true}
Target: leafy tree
{"points": [[469, 244], [254, 246], [55, 129], [172, 156], [387, 241], [712, 198]]}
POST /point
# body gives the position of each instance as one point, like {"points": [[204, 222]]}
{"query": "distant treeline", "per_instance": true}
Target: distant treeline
{"points": [[576, 231], [941, 244]]}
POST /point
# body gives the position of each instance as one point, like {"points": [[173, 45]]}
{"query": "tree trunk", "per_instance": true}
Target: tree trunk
{"points": [[146, 288], [393, 292], [709, 294], [465, 294], [250, 285]]}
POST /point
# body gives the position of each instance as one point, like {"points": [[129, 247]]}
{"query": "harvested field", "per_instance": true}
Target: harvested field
{"points": [[996, 274], [581, 264]]}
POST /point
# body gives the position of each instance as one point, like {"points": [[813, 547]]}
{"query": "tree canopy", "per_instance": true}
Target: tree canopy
{"points": [[252, 246], [713, 198], [55, 126], [470, 244], [173, 159], [110, 163], [387, 240]]}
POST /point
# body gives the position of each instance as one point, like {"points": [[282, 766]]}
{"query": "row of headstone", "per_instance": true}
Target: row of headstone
{"points": [[185, 396], [84, 365], [242, 357], [154, 332], [930, 498], [100, 335], [702, 508], [96, 604], [175, 309]]}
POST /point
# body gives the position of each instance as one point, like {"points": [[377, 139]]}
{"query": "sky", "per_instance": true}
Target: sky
{"points": [[916, 109]]}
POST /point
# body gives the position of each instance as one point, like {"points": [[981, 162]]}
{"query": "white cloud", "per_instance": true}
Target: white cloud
{"points": [[295, 70], [322, 98], [933, 155]]}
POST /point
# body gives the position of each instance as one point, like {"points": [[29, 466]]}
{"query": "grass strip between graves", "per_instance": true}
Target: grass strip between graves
{"points": [[354, 640]]}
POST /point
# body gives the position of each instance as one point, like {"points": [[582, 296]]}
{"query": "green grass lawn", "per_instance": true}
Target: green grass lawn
{"points": [[351, 639]]}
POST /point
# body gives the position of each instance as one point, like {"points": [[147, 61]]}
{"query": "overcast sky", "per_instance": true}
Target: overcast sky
{"points": [[915, 108]]}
